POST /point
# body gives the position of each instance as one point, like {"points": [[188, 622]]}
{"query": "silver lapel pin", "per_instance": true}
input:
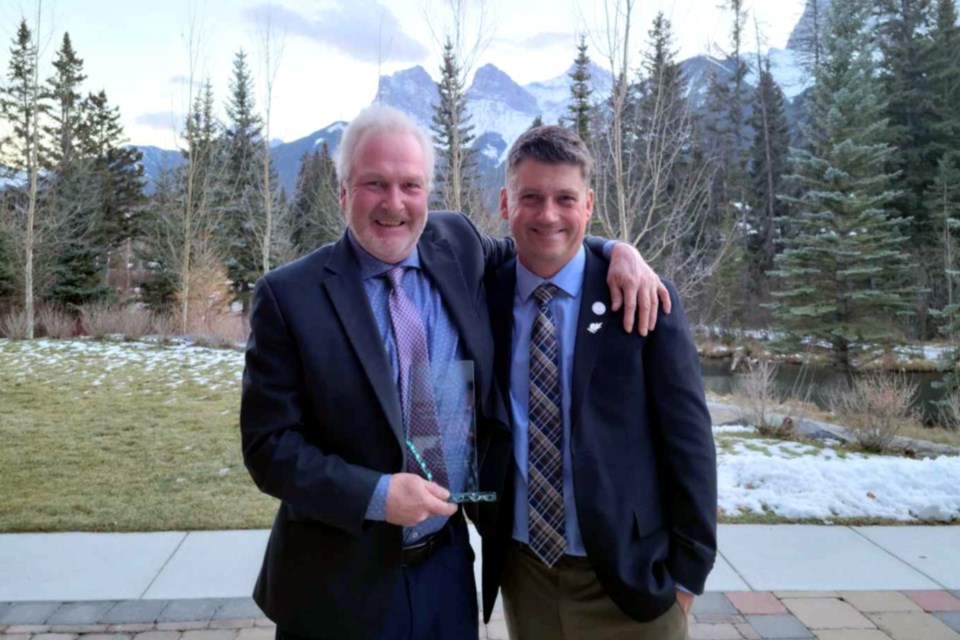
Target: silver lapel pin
{"points": [[594, 326], [599, 308]]}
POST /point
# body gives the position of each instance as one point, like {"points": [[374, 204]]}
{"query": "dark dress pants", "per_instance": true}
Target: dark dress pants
{"points": [[436, 600]]}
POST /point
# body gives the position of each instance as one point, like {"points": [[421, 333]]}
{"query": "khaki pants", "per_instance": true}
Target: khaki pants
{"points": [[567, 602]]}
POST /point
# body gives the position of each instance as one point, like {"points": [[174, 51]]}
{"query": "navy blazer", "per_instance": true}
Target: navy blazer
{"points": [[320, 422], [644, 462]]}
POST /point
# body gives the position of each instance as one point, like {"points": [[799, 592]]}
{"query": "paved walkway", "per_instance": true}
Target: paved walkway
{"points": [[776, 581]]}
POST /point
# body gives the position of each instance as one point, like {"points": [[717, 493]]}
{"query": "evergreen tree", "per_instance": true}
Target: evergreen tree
{"points": [[317, 219], [770, 154], [117, 167], [901, 30], [452, 134], [243, 209], [7, 270], [943, 59], [662, 132], [67, 115], [581, 93], [23, 103], [943, 202], [842, 277], [537, 122]]}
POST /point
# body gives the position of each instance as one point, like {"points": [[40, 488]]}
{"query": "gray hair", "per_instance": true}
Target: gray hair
{"points": [[380, 118], [550, 144]]}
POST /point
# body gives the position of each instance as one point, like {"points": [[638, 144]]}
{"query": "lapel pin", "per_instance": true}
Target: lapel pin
{"points": [[599, 308], [594, 326]]}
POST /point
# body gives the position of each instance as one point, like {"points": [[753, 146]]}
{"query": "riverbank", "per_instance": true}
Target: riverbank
{"points": [[741, 346]]}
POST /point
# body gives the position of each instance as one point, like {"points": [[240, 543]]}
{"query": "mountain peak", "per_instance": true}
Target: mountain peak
{"points": [[406, 90], [490, 83]]}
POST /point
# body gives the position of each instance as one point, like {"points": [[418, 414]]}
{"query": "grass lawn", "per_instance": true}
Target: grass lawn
{"points": [[109, 436], [122, 437]]}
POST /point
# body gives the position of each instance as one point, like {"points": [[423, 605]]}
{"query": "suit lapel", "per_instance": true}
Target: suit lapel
{"points": [[438, 260], [588, 342], [502, 289], [346, 291]]}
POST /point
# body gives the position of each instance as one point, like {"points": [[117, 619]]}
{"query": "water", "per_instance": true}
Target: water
{"points": [[815, 383]]}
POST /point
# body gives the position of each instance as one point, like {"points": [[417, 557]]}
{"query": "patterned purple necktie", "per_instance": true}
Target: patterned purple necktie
{"points": [[416, 389], [545, 426]]}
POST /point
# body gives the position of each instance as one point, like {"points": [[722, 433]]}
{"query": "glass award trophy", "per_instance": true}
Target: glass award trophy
{"points": [[441, 428]]}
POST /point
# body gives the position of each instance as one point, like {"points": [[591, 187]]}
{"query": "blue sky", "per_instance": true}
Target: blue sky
{"points": [[331, 52]]}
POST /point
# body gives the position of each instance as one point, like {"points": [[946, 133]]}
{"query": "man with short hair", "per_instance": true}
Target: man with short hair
{"points": [[364, 546], [607, 520]]}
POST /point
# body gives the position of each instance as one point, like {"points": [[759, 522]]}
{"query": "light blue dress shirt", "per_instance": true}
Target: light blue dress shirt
{"points": [[566, 312], [443, 343]]}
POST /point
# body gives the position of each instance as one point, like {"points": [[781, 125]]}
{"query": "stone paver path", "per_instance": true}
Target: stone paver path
{"points": [[756, 615]]}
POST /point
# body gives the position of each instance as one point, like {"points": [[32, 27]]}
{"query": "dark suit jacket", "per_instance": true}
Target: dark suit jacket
{"points": [[320, 421], [644, 464]]}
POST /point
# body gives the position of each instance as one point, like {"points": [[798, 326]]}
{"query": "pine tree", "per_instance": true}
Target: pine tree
{"points": [[943, 59], [581, 94], [662, 132], [317, 219], [943, 202], [67, 114], [22, 104], [842, 277], [7, 269], [243, 210], [770, 155], [117, 168], [452, 135]]}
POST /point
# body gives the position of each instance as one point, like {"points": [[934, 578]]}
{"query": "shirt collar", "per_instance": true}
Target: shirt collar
{"points": [[569, 279], [371, 267]]}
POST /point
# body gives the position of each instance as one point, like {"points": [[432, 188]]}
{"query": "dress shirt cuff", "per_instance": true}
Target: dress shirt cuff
{"points": [[377, 509], [680, 587], [608, 248]]}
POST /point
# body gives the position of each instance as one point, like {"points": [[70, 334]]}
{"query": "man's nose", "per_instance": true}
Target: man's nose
{"points": [[394, 197], [549, 212]]}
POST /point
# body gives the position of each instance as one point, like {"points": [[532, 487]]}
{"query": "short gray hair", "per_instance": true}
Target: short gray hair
{"points": [[550, 144], [380, 118]]}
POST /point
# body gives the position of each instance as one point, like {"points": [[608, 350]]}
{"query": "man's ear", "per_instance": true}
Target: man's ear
{"points": [[589, 202], [504, 205], [343, 197]]}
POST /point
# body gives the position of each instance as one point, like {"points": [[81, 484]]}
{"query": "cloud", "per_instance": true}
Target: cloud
{"points": [[163, 120], [352, 26], [184, 80], [545, 40]]}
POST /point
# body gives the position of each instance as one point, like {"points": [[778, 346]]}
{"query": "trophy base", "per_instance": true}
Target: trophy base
{"points": [[472, 496]]}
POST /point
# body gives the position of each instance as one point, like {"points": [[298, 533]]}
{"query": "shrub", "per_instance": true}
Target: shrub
{"points": [[101, 320], [949, 410], [14, 325], [875, 407], [758, 393], [56, 323]]}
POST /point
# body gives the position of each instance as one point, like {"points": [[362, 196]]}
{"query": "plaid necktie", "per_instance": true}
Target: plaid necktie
{"points": [[416, 389], [545, 466]]}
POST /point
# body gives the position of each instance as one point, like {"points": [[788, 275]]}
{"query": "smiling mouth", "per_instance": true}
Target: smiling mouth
{"points": [[390, 224]]}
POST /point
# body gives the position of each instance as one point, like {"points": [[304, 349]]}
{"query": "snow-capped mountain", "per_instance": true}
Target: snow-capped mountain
{"points": [[553, 95], [501, 109], [412, 91]]}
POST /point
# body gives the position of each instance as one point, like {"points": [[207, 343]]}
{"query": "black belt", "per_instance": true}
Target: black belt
{"points": [[417, 554]]}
